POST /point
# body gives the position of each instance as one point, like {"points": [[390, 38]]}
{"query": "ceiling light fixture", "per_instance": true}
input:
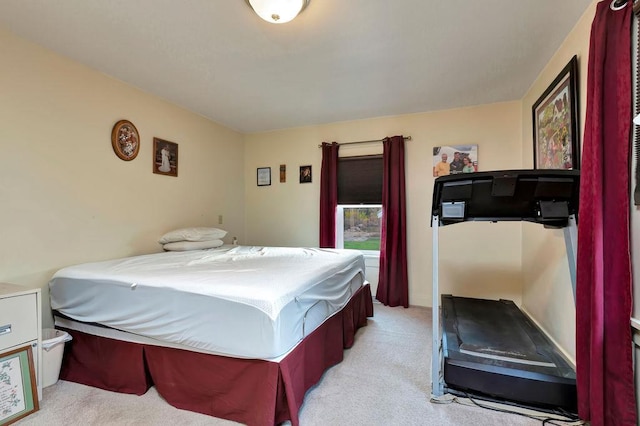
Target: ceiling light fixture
{"points": [[277, 11]]}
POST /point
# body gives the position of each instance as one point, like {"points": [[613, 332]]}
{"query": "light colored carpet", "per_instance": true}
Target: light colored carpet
{"points": [[384, 379]]}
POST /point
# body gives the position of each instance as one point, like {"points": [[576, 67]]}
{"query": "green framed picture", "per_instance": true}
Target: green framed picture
{"points": [[18, 391]]}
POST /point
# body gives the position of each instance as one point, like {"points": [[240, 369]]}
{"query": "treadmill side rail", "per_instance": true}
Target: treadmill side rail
{"points": [[437, 360]]}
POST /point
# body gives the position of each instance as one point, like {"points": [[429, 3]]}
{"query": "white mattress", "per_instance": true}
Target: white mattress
{"points": [[253, 302]]}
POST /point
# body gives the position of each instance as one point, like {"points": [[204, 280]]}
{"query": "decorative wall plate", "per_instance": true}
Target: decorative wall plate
{"points": [[125, 140]]}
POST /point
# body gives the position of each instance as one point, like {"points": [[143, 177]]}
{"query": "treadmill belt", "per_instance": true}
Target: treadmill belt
{"points": [[495, 329], [492, 348]]}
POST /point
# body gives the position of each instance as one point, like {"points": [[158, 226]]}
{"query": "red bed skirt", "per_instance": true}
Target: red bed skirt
{"points": [[249, 391]]}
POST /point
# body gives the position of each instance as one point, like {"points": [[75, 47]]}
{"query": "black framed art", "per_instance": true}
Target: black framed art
{"points": [[305, 174], [264, 176], [555, 122]]}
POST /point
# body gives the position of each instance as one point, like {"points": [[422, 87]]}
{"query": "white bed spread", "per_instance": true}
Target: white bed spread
{"points": [[245, 301]]}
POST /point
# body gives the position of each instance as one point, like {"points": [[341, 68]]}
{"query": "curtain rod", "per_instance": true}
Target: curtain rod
{"points": [[406, 138]]}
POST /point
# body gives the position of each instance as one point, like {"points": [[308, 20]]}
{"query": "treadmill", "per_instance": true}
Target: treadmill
{"points": [[490, 349]]}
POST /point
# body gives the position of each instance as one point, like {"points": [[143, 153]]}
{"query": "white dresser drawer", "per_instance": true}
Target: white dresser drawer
{"points": [[18, 320]]}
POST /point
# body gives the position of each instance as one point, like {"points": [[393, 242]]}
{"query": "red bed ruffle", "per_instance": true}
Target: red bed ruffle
{"points": [[249, 391]]}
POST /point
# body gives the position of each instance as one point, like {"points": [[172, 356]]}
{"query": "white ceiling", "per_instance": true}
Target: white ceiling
{"points": [[339, 60]]}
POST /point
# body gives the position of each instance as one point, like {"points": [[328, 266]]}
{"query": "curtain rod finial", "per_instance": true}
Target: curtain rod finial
{"points": [[618, 4]]}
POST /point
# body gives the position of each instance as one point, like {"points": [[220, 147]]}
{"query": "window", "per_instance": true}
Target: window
{"points": [[359, 212], [358, 227]]}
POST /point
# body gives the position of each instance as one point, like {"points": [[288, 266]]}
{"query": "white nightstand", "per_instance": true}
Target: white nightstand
{"points": [[21, 323]]}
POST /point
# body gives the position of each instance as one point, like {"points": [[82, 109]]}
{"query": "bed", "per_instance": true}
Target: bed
{"points": [[236, 332]]}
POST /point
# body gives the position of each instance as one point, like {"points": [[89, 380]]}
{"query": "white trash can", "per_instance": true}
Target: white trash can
{"points": [[53, 348]]}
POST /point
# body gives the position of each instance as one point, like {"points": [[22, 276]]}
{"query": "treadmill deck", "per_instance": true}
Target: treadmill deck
{"points": [[493, 349]]}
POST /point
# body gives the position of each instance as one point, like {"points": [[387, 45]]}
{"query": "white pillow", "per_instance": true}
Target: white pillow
{"points": [[193, 234], [192, 245]]}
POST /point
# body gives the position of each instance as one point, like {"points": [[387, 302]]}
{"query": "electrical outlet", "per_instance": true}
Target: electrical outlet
{"points": [[219, 219]]}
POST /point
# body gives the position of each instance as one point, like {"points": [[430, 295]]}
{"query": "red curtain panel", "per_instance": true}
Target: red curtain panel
{"points": [[328, 194], [604, 286], [393, 283]]}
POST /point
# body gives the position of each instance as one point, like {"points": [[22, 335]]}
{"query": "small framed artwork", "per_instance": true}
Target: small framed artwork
{"points": [[264, 176], [125, 140], [305, 174], [555, 122], [283, 173], [454, 159], [165, 157], [18, 391]]}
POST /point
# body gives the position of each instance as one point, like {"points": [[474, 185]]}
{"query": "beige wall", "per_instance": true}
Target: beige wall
{"points": [[547, 285], [288, 213], [68, 199], [65, 196]]}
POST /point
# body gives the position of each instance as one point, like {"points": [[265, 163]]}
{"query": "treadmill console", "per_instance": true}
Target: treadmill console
{"points": [[548, 197]]}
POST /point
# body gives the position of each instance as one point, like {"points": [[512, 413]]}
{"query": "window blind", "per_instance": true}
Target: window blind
{"points": [[360, 179]]}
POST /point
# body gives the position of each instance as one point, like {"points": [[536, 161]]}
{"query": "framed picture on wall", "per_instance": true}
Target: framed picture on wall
{"points": [[125, 140], [305, 174], [555, 122], [165, 157], [454, 159], [264, 176]]}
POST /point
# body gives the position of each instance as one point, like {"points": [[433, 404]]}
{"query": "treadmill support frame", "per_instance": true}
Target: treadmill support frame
{"points": [[437, 354]]}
